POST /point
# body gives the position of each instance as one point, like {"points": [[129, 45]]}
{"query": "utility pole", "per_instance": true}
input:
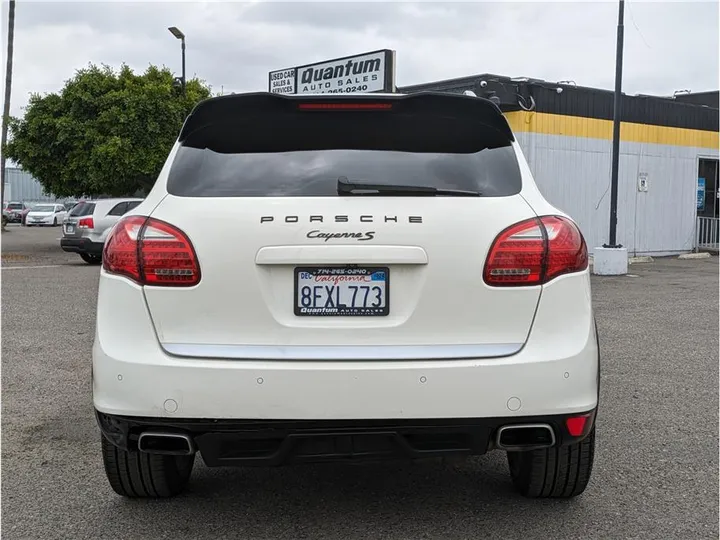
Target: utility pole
{"points": [[612, 259], [6, 103], [617, 113]]}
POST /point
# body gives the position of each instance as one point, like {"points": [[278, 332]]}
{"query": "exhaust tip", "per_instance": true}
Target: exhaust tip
{"points": [[525, 437], [174, 444]]}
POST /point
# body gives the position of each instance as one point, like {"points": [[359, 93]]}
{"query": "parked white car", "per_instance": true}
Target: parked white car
{"points": [[380, 278], [46, 214]]}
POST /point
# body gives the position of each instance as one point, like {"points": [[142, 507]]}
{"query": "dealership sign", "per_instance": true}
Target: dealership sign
{"points": [[368, 72], [282, 81]]}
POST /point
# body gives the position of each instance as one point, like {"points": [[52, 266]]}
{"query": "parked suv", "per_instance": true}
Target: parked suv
{"points": [[379, 278], [88, 224]]}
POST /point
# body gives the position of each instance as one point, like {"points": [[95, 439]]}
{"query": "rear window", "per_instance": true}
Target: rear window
{"points": [[314, 173], [15, 206], [302, 154], [83, 209]]}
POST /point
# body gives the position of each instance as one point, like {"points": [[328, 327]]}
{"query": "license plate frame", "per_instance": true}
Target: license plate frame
{"points": [[343, 270]]}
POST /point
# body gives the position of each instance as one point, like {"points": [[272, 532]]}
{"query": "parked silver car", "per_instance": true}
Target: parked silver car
{"points": [[88, 224]]}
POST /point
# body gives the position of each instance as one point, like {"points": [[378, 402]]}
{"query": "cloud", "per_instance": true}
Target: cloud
{"points": [[233, 46]]}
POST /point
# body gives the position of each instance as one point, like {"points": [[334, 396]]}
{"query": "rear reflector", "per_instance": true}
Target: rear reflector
{"points": [[535, 251], [151, 252], [576, 424], [344, 106]]}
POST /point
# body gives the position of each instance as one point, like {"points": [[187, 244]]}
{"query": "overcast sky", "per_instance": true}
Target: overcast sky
{"points": [[669, 45]]}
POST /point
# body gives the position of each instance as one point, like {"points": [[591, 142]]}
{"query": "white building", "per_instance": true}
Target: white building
{"points": [[668, 174]]}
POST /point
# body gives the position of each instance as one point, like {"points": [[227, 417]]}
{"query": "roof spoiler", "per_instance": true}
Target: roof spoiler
{"points": [[224, 109]]}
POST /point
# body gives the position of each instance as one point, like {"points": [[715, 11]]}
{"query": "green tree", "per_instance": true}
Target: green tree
{"points": [[105, 133]]}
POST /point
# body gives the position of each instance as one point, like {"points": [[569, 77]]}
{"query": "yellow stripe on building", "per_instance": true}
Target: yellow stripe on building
{"points": [[576, 126]]}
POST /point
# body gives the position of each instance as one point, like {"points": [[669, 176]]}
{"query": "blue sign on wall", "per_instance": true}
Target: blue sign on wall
{"points": [[701, 194]]}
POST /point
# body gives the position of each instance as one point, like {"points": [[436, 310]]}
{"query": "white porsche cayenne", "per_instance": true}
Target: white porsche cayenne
{"points": [[335, 277]]}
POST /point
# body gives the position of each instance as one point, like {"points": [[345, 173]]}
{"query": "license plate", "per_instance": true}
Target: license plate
{"points": [[70, 229], [359, 291]]}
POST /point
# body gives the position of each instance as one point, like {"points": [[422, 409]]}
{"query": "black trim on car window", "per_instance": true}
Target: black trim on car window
{"points": [[119, 209], [132, 205]]}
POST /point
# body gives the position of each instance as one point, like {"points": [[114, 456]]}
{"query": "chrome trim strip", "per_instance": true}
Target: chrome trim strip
{"points": [[342, 352]]}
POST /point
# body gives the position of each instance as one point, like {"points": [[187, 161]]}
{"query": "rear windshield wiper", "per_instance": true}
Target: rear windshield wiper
{"points": [[348, 187]]}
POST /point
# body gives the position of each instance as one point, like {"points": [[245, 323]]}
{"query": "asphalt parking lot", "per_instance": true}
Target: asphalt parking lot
{"points": [[656, 468]]}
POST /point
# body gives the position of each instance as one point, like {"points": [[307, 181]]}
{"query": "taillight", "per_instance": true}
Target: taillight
{"points": [[151, 252], [86, 223], [535, 251]]}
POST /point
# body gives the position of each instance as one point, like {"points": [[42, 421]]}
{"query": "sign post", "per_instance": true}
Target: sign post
{"points": [[363, 73]]}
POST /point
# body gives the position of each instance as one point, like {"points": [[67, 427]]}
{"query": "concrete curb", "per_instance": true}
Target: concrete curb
{"points": [[694, 256], [636, 260]]}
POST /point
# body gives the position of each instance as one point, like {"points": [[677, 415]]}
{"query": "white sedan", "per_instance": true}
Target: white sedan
{"points": [[46, 214]]}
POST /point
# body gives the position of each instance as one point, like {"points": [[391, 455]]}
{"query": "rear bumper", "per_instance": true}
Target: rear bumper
{"points": [[555, 373], [81, 245], [278, 442]]}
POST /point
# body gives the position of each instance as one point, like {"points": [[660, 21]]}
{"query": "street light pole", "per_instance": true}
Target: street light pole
{"points": [[182, 44], [617, 112], [175, 31]]}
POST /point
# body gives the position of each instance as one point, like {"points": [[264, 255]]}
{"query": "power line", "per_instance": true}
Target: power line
{"points": [[632, 19]]}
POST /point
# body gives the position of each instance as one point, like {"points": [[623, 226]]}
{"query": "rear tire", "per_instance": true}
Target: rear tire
{"points": [[55, 222], [91, 259], [560, 472], [139, 475]]}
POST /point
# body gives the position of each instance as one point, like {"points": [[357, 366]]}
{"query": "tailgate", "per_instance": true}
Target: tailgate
{"points": [[253, 185]]}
